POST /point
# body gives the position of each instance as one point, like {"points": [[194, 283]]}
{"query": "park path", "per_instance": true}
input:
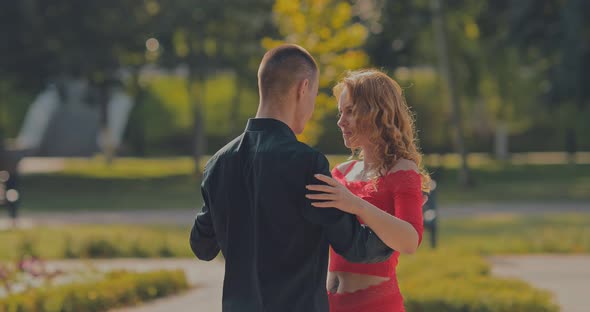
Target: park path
{"points": [[176, 216], [566, 276]]}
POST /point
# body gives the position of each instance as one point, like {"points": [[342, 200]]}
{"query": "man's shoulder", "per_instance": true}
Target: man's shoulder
{"points": [[227, 149], [304, 151], [304, 148], [231, 146]]}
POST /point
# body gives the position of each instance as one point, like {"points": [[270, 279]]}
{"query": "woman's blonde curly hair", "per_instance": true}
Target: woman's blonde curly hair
{"points": [[381, 112]]}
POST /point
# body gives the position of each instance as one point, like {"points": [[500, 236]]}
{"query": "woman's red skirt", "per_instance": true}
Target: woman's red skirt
{"points": [[384, 297]]}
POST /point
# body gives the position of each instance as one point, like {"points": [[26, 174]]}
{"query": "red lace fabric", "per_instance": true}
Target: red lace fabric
{"points": [[399, 193]]}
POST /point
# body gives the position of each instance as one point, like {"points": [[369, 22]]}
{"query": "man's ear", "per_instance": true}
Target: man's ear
{"points": [[302, 88]]}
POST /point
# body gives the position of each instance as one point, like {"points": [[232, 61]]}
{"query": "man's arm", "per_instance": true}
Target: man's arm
{"points": [[355, 242], [202, 238], [363, 246]]}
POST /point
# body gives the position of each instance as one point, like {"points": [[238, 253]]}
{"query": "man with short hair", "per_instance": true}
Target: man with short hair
{"points": [[275, 243]]}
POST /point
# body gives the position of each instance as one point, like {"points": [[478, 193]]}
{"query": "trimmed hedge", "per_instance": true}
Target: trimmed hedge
{"points": [[461, 282], [95, 242], [118, 288], [477, 294]]}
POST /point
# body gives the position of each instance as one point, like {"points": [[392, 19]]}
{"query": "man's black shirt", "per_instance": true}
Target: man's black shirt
{"points": [[274, 242]]}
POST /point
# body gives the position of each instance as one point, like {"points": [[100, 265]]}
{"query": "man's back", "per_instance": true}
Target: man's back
{"points": [[275, 258]]}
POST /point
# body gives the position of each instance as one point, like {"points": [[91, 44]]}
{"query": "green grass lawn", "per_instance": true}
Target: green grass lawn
{"points": [[131, 183], [505, 182], [125, 184], [567, 233], [95, 241], [62, 192]]}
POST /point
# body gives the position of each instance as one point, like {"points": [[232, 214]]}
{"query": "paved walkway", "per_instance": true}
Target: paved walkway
{"points": [[185, 216], [567, 277]]}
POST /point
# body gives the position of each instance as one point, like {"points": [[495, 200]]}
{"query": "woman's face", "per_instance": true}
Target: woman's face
{"points": [[347, 122]]}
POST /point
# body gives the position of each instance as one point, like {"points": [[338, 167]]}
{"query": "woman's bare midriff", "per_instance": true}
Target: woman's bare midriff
{"points": [[345, 282]]}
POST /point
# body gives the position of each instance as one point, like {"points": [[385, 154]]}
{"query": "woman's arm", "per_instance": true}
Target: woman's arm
{"points": [[396, 233]]}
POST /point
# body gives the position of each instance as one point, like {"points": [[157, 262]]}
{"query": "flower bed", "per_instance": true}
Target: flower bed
{"points": [[114, 289]]}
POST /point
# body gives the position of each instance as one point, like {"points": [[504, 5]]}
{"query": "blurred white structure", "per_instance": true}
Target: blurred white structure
{"points": [[37, 119], [66, 122], [119, 107]]}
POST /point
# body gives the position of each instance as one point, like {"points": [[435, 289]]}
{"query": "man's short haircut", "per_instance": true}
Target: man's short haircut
{"points": [[282, 66]]}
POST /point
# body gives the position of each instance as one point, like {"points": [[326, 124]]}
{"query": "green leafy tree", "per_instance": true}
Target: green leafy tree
{"points": [[552, 36], [207, 38]]}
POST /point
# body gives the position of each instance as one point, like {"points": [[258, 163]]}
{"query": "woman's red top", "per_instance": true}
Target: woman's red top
{"points": [[398, 193]]}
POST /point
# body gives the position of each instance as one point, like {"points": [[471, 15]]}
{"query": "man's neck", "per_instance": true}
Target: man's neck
{"points": [[268, 110]]}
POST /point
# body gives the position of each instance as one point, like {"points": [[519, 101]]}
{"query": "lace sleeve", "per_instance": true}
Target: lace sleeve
{"points": [[407, 199]]}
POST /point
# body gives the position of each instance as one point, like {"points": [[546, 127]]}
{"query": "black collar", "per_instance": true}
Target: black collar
{"points": [[269, 124]]}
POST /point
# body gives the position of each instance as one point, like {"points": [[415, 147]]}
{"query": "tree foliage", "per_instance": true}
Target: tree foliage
{"points": [[328, 31]]}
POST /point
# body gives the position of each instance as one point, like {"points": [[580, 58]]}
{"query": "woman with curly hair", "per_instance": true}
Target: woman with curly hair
{"points": [[383, 187]]}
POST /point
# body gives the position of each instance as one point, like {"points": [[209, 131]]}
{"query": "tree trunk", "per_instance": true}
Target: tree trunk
{"points": [[440, 33], [139, 131], [199, 137], [570, 145], [501, 141], [3, 157], [106, 140], [2, 124]]}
